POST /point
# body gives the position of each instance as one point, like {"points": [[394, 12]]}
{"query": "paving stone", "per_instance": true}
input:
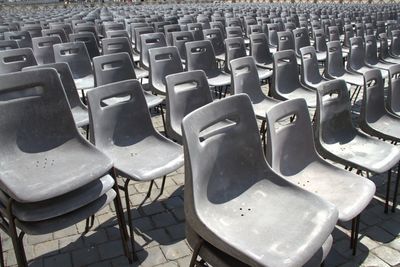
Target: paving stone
{"points": [[85, 256], [152, 208], [391, 227], [70, 243], [93, 238], [60, 260], [46, 248], [379, 235], [395, 244], [66, 232], [388, 254], [151, 257], [163, 219], [176, 251], [373, 260], [101, 264], [177, 231], [334, 258], [110, 249], [185, 261], [143, 224], [168, 264], [36, 239]]}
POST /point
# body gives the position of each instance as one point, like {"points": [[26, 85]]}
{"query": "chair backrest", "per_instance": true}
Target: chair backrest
{"points": [[112, 26], [309, 66], [348, 34], [234, 48], [66, 27], [186, 92], [87, 28], [16, 59], [67, 81], [393, 98], [333, 121], [285, 41], [117, 33], [259, 48], [273, 34], [384, 48], [23, 38], [8, 44], [55, 32], [138, 33], [216, 38], [168, 30], [334, 59], [149, 41], [373, 104], [43, 48], [197, 30], [136, 25], [286, 73], [179, 39], [113, 68], [218, 25], [124, 122], [245, 78], [217, 180], [159, 26], [320, 40], [395, 44], [77, 57], [163, 62], [356, 55], [334, 34], [234, 31], [200, 56], [116, 45], [360, 30], [380, 28], [301, 39], [290, 138], [369, 29], [90, 41], [35, 30], [371, 50]]}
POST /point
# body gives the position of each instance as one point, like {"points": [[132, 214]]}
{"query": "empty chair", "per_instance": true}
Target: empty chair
{"points": [[310, 75], [163, 62], [238, 188], [371, 54], [159, 26], [112, 26], [179, 39], [200, 56], [273, 34], [78, 109], [56, 32], [285, 41], [394, 50], [320, 45], [337, 139], [8, 44], [35, 30], [77, 57], [291, 153], [66, 27], [334, 34], [87, 28], [259, 50], [138, 33], [16, 59], [64, 179], [218, 25], [134, 26], [168, 30], [119, 67], [348, 34], [360, 30], [149, 41], [356, 59], [197, 30], [217, 41], [234, 31], [384, 54], [301, 39], [125, 133], [43, 48], [393, 97], [90, 41], [23, 38], [186, 91], [116, 34], [286, 83]]}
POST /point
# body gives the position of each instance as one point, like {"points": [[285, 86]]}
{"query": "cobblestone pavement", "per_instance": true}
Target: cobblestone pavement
{"points": [[160, 233]]}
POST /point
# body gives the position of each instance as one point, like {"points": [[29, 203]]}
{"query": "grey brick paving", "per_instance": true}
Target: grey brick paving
{"points": [[160, 233]]}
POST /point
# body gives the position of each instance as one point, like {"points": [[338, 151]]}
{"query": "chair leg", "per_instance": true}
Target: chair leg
{"points": [[355, 235], [358, 92], [163, 185], [196, 251], [87, 131], [122, 222], [18, 246], [163, 118], [150, 187], [1, 254], [388, 190], [83, 97], [89, 223], [128, 209], [396, 189]]}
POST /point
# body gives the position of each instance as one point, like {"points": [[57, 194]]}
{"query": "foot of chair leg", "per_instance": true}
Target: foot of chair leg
{"points": [[150, 187], [388, 191], [163, 185], [396, 189], [128, 211]]}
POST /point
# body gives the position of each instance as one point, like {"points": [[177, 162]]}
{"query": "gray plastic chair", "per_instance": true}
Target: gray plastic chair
{"points": [[34, 30], [384, 54], [168, 30], [320, 45], [286, 83], [163, 62], [186, 91], [395, 43], [149, 41], [138, 32], [8, 45], [76, 56], [243, 192], [371, 54], [285, 41], [23, 38], [16, 59], [291, 153], [348, 34], [301, 39], [78, 109], [200, 56], [334, 34], [116, 34], [179, 39], [234, 31], [90, 41], [125, 133], [273, 34], [55, 32], [259, 50], [217, 41], [337, 139], [119, 67], [356, 59], [65, 179], [197, 30], [43, 48], [310, 75], [393, 96]]}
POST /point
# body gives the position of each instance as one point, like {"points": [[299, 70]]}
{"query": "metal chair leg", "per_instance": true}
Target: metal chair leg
{"points": [[1, 254], [150, 187], [396, 189], [163, 185], [163, 119], [128, 209], [356, 230], [18, 247], [196, 251], [388, 191]]}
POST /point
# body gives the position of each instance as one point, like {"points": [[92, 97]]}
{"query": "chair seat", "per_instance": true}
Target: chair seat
{"points": [[86, 82], [261, 108], [152, 100], [335, 185], [273, 212], [364, 69], [47, 209], [136, 58], [219, 79], [141, 73], [64, 221], [352, 78], [264, 73], [353, 151], [265, 66], [381, 65], [43, 172], [386, 127], [308, 95], [393, 60], [321, 56], [220, 57], [146, 159], [81, 116]]}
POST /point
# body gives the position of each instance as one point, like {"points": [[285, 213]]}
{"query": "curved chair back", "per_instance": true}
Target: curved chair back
{"points": [[320, 40], [16, 59], [233, 31], [356, 55], [393, 98], [138, 33], [23, 38], [43, 48], [200, 56], [186, 91], [395, 44], [234, 48], [8, 44], [371, 50], [217, 41], [168, 30], [334, 59], [301, 39], [179, 39], [113, 68], [77, 57], [116, 45], [90, 41], [309, 66], [55, 32], [285, 41], [273, 34], [286, 74], [348, 34], [149, 41], [334, 33], [259, 48], [197, 30], [117, 33]]}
